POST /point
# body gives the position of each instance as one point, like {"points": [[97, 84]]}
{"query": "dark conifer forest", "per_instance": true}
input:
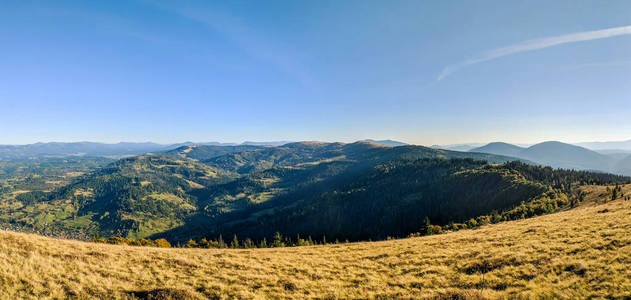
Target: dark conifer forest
{"points": [[297, 193]]}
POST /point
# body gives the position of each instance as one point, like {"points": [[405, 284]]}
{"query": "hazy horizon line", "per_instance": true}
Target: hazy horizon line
{"points": [[228, 143]]}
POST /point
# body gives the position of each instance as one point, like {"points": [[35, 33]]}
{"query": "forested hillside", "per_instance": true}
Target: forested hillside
{"points": [[394, 199], [354, 191]]}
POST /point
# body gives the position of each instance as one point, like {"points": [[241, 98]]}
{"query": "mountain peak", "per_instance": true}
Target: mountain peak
{"points": [[499, 148], [559, 146]]}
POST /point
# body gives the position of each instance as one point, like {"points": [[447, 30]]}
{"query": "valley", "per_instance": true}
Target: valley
{"points": [[356, 191]]}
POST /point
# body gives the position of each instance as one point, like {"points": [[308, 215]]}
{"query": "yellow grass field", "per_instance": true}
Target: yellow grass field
{"points": [[579, 253]]}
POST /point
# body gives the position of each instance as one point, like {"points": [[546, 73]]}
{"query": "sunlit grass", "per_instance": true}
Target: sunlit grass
{"points": [[579, 253]]}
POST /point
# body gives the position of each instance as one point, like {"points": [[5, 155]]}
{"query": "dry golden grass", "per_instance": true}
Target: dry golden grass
{"points": [[579, 253], [599, 194]]}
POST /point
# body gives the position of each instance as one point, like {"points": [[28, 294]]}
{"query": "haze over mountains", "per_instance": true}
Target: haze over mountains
{"points": [[61, 149], [608, 146], [458, 147], [612, 157], [601, 147], [562, 155]]}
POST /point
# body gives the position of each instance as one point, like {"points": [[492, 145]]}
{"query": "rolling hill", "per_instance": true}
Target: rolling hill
{"points": [[574, 254], [500, 148], [353, 191], [561, 155]]}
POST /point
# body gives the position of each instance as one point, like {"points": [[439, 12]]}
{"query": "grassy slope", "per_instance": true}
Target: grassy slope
{"points": [[572, 254]]}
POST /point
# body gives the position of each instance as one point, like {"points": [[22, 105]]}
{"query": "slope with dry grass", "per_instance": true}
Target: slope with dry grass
{"points": [[583, 252]]}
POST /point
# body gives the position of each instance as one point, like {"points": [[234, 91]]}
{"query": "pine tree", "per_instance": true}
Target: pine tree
{"points": [[221, 243], [425, 229], [235, 242], [248, 243], [278, 240]]}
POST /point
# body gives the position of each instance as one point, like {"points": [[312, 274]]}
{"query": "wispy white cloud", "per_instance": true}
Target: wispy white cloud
{"points": [[537, 44]]}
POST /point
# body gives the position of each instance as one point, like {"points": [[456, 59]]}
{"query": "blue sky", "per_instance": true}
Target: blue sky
{"points": [[425, 72]]}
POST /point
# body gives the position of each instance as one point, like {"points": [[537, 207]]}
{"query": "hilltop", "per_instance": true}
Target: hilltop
{"points": [[578, 253], [500, 148]]}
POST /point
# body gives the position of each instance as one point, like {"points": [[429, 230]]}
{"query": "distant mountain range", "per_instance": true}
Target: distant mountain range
{"points": [[57, 149], [562, 155], [612, 157], [607, 146], [458, 147], [390, 143], [601, 147]]}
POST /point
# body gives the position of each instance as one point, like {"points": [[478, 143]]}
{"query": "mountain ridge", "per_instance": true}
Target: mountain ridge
{"points": [[120, 149], [142, 195], [203, 191], [562, 155]]}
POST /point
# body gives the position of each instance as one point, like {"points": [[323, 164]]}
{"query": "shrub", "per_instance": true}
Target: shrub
{"points": [[162, 243]]}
